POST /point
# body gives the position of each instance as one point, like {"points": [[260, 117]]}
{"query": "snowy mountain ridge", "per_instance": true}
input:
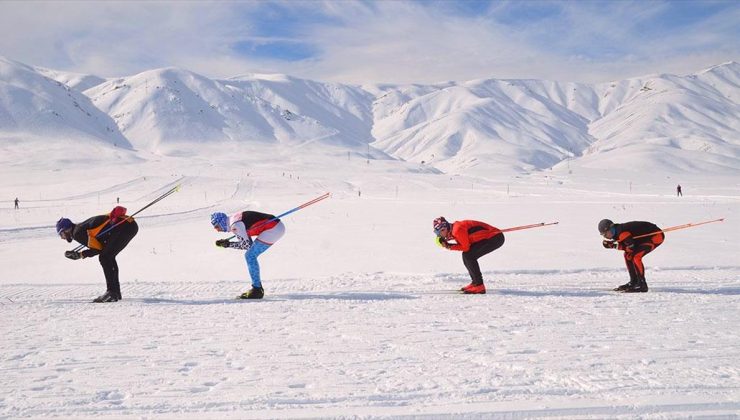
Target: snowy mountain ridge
{"points": [[663, 122]]}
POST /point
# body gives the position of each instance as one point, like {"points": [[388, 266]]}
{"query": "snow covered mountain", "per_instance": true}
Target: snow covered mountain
{"points": [[76, 81], [36, 108], [661, 122]]}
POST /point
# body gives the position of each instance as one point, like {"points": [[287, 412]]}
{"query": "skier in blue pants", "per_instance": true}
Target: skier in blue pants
{"points": [[244, 225]]}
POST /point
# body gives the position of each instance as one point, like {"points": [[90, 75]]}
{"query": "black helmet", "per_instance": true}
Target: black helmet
{"points": [[604, 225]]}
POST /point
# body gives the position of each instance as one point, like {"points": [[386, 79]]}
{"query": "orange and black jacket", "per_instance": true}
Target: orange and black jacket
{"points": [[625, 233], [468, 232], [88, 233]]}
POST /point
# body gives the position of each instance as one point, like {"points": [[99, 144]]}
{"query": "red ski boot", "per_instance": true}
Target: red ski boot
{"points": [[474, 289]]}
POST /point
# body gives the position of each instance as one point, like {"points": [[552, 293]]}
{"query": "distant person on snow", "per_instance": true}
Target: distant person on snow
{"points": [[678, 191], [16, 203], [621, 236], [246, 225], [475, 239], [106, 246]]}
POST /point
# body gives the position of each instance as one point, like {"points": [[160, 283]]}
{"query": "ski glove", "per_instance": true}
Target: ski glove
{"points": [[609, 244], [72, 255], [442, 242], [225, 243]]}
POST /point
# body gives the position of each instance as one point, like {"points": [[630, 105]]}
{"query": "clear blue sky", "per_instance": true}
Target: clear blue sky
{"points": [[376, 41]]}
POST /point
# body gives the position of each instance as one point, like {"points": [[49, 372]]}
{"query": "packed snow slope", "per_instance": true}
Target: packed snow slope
{"points": [[360, 318], [664, 123]]}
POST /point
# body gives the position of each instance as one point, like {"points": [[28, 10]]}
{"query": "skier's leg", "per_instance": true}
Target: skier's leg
{"points": [[641, 251], [273, 235], [110, 271], [257, 248], [630, 267], [117, 242], [477, 250], [471, 263]]}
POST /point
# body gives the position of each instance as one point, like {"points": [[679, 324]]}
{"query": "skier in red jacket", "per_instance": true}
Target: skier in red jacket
{"points": [[475, 239]]}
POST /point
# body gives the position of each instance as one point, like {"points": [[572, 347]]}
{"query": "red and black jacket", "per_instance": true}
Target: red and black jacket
{"points": [[625, 234], [256, 222], [468, 232]]}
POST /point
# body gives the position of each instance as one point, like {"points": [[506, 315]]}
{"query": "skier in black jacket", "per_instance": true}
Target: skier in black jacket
{"points": [[636, 239], [106, 245]]}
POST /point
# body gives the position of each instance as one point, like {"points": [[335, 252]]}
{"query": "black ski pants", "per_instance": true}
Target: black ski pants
{"points": [[120, 236], [477, 250]]}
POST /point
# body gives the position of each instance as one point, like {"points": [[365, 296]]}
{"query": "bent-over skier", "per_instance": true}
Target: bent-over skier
{"points": [[622, 236], [266, 230], [475, 239], [106, 245]]}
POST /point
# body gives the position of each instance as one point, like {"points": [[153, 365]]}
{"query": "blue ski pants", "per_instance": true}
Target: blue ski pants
{"points": [[253, 265]]}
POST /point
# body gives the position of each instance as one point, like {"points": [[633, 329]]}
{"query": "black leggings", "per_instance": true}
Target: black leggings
{"points": [[119, 238], [477, 250]]}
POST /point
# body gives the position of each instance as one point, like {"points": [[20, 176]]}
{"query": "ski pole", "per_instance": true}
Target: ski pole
{"points": [[302, 206], [687, 225], [127, 218], [535, 225]]}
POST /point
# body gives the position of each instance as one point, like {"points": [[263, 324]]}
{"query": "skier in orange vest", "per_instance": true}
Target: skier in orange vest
{"points": [[94, 233]]}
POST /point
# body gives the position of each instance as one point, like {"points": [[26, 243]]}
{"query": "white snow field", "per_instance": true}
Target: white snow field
{"points": [[359, 317]]}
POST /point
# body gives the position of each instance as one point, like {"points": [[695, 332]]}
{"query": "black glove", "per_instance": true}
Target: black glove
{"points": [[72, 255], [223, 243], [609, 244]]}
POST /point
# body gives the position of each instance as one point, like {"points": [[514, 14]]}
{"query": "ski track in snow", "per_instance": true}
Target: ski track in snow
{"points": [[543, 343]]}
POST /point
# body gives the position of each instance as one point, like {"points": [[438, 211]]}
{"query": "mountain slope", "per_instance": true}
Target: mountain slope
{"points": [[480, 124], [32, 105], [169, 108], [488, 127]]}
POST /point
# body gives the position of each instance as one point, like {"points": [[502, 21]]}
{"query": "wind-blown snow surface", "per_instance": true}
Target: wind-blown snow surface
{"points": [[358, 319]]}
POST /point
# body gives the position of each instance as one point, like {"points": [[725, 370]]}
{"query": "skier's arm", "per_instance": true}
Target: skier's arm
{"points": [[463, 243], [89, 253], [241, 244], [245, 241], [81, 235], [625, 241]]}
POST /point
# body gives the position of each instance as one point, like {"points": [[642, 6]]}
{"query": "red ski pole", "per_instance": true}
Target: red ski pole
{"points": [[687, 225], [535, 225]]}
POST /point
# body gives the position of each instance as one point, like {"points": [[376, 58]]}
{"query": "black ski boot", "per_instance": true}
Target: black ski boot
{"points": [[624, 287], [253, 293], [638, 287], [105, 298]]}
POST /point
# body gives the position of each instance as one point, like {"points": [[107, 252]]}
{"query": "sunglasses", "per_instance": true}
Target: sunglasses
{"points": [[438, 231]]}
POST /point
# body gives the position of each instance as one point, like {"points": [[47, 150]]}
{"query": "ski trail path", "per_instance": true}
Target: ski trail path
{"points": [[540, 344]]}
